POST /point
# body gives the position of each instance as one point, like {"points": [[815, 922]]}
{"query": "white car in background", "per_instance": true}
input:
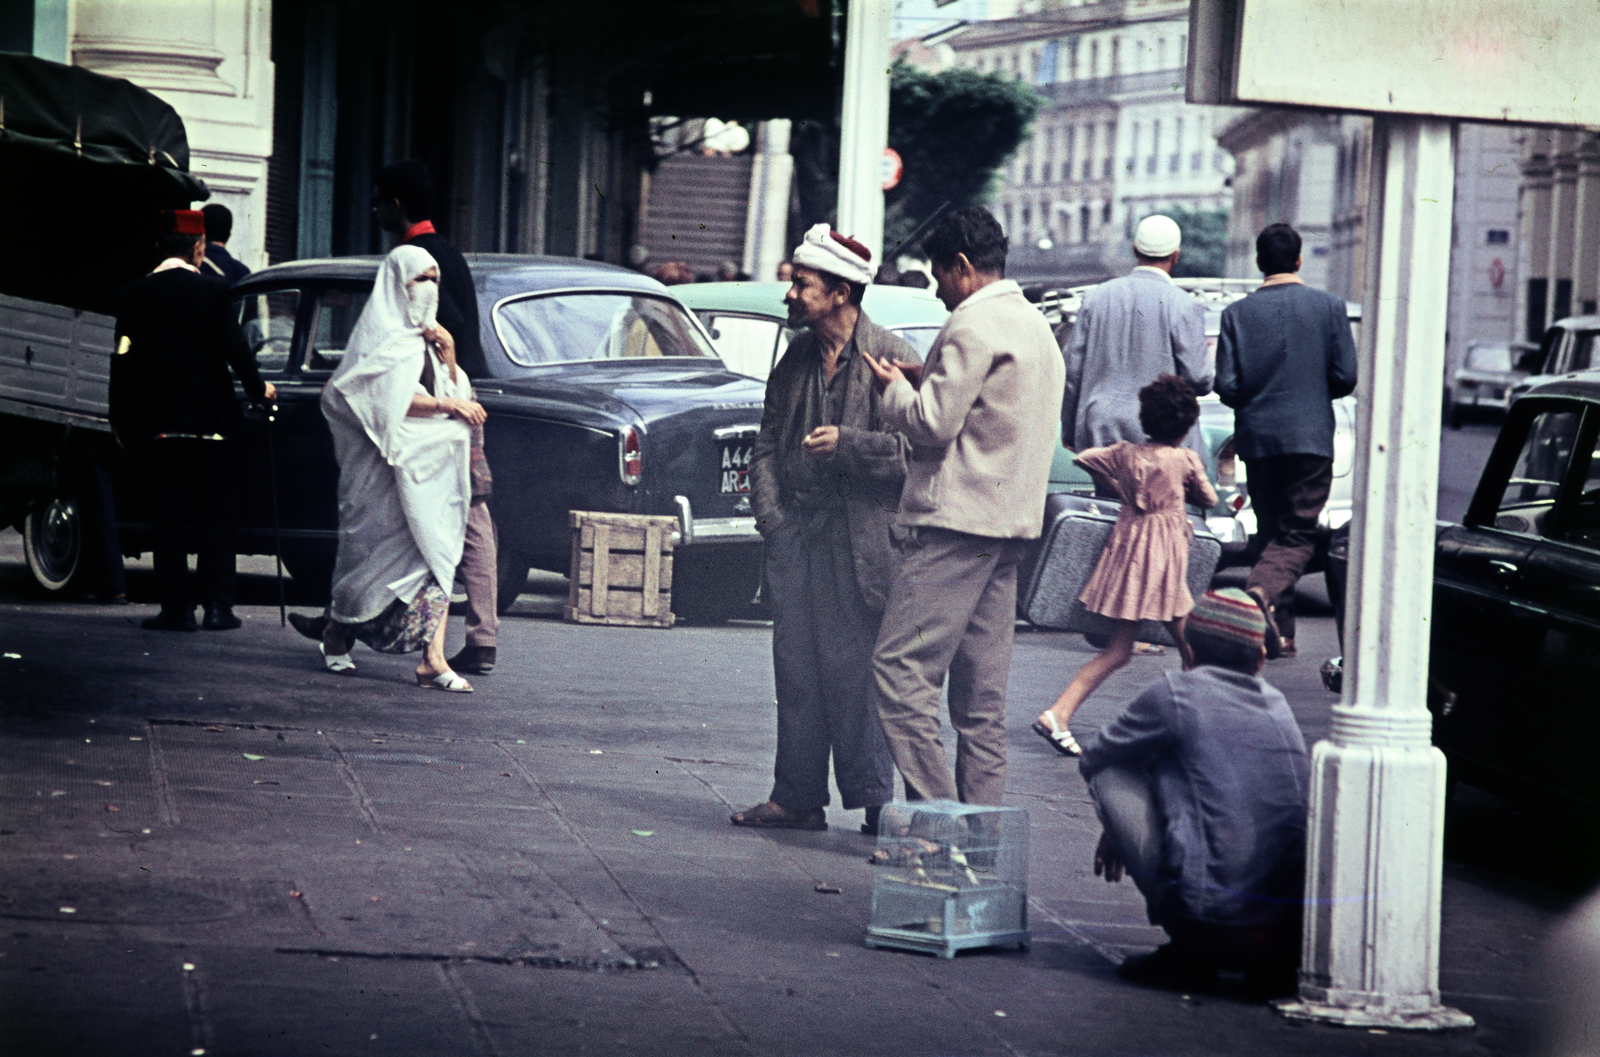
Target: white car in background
{"points": [[1233, 519]]}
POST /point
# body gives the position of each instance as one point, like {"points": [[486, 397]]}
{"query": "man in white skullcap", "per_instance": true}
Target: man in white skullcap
{"points": [[1130, 331], [825, 478]]}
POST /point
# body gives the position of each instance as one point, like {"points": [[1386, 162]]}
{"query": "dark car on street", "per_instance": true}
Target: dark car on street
{"points": [[603, 394], [1514, 670]]}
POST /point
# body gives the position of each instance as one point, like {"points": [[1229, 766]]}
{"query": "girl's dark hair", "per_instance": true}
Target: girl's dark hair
{"points": [[1168, 409]]}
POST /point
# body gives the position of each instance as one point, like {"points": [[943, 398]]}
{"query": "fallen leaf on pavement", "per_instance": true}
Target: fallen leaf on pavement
{"points": [[112, 807], [253, 756], [217, 730], [644, 833], [828, 889]]}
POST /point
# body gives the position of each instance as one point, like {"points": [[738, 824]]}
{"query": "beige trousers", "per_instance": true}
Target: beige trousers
{"points": [[479, 559], [951, 610]]}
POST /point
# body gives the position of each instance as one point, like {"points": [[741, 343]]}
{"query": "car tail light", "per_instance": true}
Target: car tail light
{"points": [[630, 456], [1237, 502]]}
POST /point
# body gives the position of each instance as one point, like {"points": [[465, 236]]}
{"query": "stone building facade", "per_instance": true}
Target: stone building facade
{"points": [[1115, 140]]}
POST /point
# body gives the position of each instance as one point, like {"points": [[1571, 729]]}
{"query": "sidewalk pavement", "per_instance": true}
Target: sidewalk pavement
{"points": [[210, 845]]}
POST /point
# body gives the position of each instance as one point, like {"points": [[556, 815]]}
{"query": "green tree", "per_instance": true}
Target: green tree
{"points": [[953, 129], [1205, 242]]}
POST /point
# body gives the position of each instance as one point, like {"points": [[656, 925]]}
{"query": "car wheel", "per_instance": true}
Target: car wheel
{"points": [[511, 576], [52, 540]]}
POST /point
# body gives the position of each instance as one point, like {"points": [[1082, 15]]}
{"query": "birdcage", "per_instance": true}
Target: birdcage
{"points": [[950, 876]]}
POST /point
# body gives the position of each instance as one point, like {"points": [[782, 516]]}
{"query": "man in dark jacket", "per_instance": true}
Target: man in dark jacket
{"points": [[219, 229], [825, 479], [1201, 788], [173, 407], [1284, 354], [402, 202]]}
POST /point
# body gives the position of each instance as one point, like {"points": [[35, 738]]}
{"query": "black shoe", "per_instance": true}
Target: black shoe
{"points": [[171, 620], [1170, 968], [220, 618], [474, 660], [311, 627], [870, 826]]}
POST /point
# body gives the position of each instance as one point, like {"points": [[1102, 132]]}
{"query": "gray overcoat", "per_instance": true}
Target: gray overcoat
{"points": [[1130, 330], [871, 460]]}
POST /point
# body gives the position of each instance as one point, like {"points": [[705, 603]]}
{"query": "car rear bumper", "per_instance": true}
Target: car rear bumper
{"points": [[695, 532]]}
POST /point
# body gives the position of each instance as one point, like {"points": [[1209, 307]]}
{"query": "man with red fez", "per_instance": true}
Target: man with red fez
{"points": [[825, 479], [402, 203], [173, 407], [1201, 788]]}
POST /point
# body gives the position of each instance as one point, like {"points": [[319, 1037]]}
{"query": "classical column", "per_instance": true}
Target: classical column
{"points": [[1586, 230], [1535, 249], [1376, 829], [767, 216], [864, 122], [1563, 215]]}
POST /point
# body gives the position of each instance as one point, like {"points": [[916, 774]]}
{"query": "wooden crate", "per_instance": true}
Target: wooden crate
{"points": [[621, 569]]}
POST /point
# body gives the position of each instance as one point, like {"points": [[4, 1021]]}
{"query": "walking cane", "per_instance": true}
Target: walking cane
{"points": [[277, 531]]}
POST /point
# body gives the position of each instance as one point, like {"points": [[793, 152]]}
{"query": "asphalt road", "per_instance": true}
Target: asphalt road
{"points": [[208, 844]]}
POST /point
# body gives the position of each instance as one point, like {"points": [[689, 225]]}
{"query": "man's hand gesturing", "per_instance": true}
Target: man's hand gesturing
{"points": [[884, 372], [824, 440]]}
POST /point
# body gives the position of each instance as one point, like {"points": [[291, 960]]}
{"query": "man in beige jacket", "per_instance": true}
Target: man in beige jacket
{"points": [[981, 417]]}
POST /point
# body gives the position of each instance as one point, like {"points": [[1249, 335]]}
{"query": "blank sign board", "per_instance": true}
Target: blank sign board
{"points": [[1524, 61]]}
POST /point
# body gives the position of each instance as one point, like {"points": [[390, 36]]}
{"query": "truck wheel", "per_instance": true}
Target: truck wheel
{"points": [[52, 538], [511, 576]]}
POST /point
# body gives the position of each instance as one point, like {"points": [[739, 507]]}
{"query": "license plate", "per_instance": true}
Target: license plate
{"points": [[734, 465]]}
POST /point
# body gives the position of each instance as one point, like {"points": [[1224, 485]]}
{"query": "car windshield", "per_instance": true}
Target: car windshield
{"points": [[921, 338], [552, 328], [1489, 358]]}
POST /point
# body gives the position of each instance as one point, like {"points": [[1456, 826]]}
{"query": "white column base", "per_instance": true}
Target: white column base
{"points": [[1374, 862], [1440, 1018]]}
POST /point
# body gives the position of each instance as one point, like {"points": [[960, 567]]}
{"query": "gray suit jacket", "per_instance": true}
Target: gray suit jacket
{"points": [[1129, 330], [871, 456]]}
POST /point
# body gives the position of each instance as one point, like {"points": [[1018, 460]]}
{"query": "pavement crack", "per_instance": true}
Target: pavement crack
{"points": [[352, 782], [529, 960], [665, 950], [166, 811], [458, 990]]}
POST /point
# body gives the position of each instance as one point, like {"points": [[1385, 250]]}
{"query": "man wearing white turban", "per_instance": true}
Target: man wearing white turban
{"points": [[1129, 332], [401, 415], [825, 478]]}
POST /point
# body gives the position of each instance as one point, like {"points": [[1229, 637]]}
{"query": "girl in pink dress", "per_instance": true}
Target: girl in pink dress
{"points": [[1144, 569]]}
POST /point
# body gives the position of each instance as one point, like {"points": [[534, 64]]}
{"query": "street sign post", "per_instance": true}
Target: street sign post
{"points": [[1375, 833], [864, 122]]}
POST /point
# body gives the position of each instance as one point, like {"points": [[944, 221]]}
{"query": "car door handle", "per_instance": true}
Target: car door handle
{"points": [[1503, 570]]}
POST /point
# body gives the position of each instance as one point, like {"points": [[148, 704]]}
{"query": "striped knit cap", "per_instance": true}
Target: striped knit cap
{"points": [[1228, 615]]}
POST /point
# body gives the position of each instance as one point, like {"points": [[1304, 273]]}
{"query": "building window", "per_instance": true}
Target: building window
{"points": [[1044, 172], [1027, 172], [1085, 217], [1174, 163], [1116, 56], [1094, 59], [1105, 169], [1218, 161], [1161, 54], [1194, 161], [1027, 220], [1105, 213], [1133, 167], [1499, 236]]}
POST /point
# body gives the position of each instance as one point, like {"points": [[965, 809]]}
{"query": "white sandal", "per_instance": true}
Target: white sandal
{"points": [[445, 681], [1059, 737], [336, 662]]}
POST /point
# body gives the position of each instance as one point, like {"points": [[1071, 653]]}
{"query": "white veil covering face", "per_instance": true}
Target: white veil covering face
{"points": [[404, 485]]}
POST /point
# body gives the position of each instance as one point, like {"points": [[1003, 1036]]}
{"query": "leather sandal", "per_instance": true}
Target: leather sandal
{"points": [[448, 681], [773, 816], [1059, 737]]}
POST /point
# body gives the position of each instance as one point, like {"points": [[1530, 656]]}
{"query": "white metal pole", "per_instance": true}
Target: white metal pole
{"points": [[864, 123], [1376, 829]]}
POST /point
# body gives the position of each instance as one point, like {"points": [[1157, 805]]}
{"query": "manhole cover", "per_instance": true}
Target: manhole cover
{"points": [[120, 904]]}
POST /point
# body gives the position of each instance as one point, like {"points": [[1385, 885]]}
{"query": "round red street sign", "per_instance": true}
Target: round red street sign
{"points": [[892, 168]]}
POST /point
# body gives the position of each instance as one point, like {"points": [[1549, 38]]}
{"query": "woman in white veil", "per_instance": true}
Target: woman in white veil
{"points": [[401, 416]]}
